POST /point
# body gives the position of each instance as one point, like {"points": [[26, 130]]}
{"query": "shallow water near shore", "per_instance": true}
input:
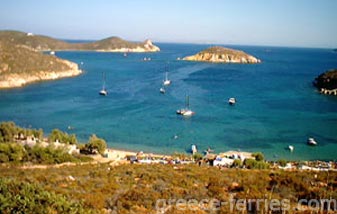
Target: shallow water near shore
{"points": [[276, 105]]}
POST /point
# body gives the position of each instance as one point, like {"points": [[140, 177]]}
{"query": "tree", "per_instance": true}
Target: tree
{"points": [[7, 131], [62, 137], [95, 144]]}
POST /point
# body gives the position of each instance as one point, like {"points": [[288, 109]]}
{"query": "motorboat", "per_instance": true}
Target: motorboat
{"points": [[231, 101], [162, 90], [291, 148], [311, 141]]}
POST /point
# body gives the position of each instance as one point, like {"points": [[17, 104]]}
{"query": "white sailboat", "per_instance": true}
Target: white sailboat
{"points": [[186, 111], [103, 92], [166, 80]]}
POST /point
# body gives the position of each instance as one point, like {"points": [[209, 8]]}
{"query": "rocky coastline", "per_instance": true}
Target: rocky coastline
{"points": [[15, 80], [326, 82], [219, 54]]}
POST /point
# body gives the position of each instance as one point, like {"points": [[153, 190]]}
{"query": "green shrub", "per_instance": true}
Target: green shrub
{"points": [[94, 145], [258, 156]]}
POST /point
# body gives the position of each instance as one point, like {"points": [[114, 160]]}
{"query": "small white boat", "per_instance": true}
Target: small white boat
{"points": [[291, 148], [162, 90], [311, 141], [103, 92], [231, 101], [166, 81]]}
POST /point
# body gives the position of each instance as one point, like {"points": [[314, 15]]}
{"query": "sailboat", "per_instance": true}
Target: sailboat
{"points": [[103, 92], [186, 111], [166, 81]]}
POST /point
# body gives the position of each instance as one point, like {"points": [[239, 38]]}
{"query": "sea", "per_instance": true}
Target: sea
{"points": [[276, 103]]}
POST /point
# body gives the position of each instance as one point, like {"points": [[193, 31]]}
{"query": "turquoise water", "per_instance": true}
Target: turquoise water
{"points": [[276, 103]]}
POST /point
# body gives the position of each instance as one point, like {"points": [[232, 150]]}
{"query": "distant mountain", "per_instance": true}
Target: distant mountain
{"points": [[44, 43], [219, 54], [21, 64]]}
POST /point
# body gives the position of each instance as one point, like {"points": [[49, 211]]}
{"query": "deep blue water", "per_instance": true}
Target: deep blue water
{"points": [[276, 102]]}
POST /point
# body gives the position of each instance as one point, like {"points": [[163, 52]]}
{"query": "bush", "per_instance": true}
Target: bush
{"points": [[282, 162], [11, 152], [94, 145], [258, 156], [254, 164], [236, 163], [197, 156]]}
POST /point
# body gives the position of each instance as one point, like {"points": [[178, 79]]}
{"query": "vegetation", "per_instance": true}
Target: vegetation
{"points": [[62, 137], [23, 197], [8, 130], [95, 145], [11, 151], [135, 188]]}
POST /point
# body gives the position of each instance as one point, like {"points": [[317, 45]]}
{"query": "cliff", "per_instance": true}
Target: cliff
{"points": [[219, 54], [327, 82], [20, 65], [44, 43]]}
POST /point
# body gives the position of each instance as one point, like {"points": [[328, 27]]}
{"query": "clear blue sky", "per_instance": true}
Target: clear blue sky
{"points": [[301, 23]]}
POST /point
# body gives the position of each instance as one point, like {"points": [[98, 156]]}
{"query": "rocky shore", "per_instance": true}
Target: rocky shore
{"points": [[15, 80], [327, 82], [219, 54]]}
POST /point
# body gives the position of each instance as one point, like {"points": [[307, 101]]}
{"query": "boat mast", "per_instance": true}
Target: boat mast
{"points": [[103, 77], [187, 102]]}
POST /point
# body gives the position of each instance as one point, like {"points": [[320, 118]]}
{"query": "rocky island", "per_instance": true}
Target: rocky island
{"points": [[219, 54], [327, 82]]}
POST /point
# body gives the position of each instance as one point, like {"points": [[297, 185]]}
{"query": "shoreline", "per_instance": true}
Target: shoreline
{"points": [[17, 80]]}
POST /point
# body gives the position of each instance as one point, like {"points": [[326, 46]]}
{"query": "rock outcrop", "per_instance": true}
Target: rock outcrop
{"points": [[327, 82], [219, 54]]}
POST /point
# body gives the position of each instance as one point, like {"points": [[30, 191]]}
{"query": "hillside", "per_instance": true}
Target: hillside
{"points": [[44, 43], [20, 64], [222, 55], [133, 188]]}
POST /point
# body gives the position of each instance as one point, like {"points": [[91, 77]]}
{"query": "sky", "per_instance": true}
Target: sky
{"points": [[290, 23]]}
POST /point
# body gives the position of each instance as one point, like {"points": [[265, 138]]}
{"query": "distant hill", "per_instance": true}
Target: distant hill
{"points": [[20, 65], [222, 55], [22, 60], [44, 43]]}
